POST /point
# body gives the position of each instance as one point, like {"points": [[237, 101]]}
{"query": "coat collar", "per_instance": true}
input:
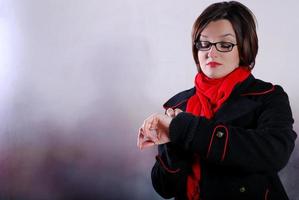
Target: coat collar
{"points": [[238, 104], [178, 100]]}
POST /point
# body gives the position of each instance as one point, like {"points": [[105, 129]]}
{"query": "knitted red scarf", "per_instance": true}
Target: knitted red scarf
{"points": [[210, 95]]}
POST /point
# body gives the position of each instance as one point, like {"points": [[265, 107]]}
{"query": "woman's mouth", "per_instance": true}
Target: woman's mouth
{"points": [[213, 64]]}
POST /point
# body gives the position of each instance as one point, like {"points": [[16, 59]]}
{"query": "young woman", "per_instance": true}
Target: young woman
{"points": [[227, 137]]}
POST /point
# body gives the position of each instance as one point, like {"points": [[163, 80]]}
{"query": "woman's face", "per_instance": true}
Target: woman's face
{"points": [[213, 63]]}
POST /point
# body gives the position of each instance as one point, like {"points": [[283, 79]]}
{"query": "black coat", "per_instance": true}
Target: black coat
{"points": [[241, 149]]}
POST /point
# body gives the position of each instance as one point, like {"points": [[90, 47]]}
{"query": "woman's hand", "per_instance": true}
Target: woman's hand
{"points": [[155, 129]]}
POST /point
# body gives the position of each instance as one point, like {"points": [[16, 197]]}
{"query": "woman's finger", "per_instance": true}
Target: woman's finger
{"points": [[143, 141], [140, 137], [150, 127], [146, 144], [147, 124]]}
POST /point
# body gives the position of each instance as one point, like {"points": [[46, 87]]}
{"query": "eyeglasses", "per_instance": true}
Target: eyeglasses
{"points": [[220, 46]]}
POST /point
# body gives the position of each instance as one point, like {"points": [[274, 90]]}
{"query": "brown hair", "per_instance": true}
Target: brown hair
{"points": [[244, 25]]}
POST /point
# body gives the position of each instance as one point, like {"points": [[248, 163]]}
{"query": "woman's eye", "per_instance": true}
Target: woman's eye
{"points": [[204, 44], [225, 45]]}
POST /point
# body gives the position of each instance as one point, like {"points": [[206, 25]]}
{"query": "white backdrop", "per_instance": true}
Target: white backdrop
{"points": [[78, 77]]}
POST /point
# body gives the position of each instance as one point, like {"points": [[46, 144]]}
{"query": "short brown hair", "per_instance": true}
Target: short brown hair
{"points": [[244, 25]]}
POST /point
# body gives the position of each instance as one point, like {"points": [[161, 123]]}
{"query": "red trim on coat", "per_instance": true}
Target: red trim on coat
{"points": [[260, 93], [226, 141], [165, 167], [211, 143], [177, 105], [266, 194]]}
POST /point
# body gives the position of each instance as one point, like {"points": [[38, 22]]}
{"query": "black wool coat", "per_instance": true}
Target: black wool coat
{"points": [[241, 149]]}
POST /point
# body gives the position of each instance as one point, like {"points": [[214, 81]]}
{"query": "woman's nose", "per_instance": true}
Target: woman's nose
{"points": [[212, 52]]}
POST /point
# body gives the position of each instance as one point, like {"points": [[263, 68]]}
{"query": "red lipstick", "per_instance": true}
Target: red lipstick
{"points": [[213, 64]]}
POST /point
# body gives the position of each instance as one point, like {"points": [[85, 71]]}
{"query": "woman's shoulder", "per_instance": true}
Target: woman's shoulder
{"points": [[258, 87], [264, 91]]}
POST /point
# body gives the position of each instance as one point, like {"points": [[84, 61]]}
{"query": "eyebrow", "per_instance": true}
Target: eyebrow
{"points": [[224, 35]]}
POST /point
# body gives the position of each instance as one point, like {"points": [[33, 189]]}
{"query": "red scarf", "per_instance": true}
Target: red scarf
{"points": [[210, 95]]}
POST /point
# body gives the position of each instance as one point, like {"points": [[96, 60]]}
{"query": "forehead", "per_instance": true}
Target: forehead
{"points": [[219, 29]]}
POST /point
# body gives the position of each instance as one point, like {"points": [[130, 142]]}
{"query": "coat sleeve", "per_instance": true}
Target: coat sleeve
{"points": [[266, 147], [170, 170]]}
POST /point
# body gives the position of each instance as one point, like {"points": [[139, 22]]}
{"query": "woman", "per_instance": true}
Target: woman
{"points": [[227, 137]]}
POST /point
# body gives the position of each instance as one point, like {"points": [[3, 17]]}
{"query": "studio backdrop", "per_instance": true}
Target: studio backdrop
{"points": [[78, 77]]}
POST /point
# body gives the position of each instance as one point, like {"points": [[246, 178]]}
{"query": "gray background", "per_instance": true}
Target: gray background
{"points": [[78, 77]]}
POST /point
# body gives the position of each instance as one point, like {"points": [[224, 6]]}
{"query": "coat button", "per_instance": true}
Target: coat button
{"points": [[219, 134], [242, 189]]}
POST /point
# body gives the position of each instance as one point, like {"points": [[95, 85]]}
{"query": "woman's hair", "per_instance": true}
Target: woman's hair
{"points": [[244, 25]]}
